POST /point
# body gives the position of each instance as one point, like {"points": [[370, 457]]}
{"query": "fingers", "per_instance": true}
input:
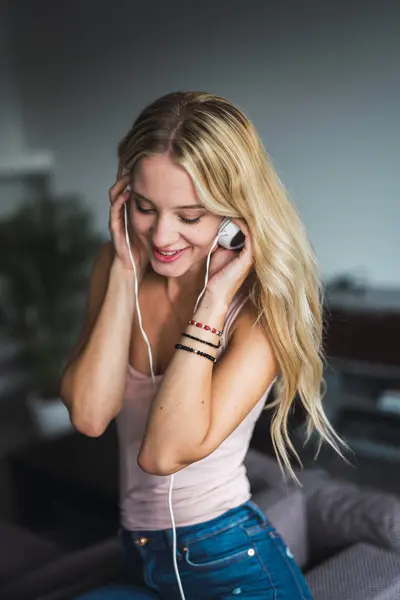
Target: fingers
{"points": [[119, 189], [119, 194], [242, 226], [248, 246]]}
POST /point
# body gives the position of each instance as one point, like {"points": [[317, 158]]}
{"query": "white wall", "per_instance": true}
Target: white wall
{"points": [[320, 82]]}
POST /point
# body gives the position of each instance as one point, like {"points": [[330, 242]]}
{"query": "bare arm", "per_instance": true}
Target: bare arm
{"points": [[199, 404], [93, 381]]}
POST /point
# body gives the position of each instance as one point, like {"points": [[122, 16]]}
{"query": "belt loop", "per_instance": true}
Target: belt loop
{"points": [[257, 510]]}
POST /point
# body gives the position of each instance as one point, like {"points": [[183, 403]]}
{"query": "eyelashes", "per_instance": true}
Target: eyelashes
{"points": [[190, 221], [149, 211]]}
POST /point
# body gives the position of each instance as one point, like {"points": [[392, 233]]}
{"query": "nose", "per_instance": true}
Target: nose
{"points": [[163, 234]]}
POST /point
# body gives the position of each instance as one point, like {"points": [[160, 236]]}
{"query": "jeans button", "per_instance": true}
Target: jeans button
{"points": [[141, 541]]}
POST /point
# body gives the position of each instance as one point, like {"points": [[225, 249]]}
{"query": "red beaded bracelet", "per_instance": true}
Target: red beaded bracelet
{"points": [[206, 327]]}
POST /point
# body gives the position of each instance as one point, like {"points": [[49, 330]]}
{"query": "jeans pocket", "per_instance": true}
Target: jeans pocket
{"points": [[220, 549], [226, 568], [224, 560]]}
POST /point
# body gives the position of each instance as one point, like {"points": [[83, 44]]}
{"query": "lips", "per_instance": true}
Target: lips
{"points": [[171, 255]]}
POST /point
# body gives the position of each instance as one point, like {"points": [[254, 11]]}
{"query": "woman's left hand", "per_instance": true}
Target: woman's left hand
{"points": [[230, 268]]}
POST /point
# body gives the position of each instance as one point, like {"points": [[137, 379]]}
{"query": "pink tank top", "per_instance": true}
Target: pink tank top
{"points": [[203, 490]]}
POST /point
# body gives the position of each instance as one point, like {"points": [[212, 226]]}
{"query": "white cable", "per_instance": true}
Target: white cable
{"points": [[146, 339], [207, 270], [171, 512], [174, 549]]}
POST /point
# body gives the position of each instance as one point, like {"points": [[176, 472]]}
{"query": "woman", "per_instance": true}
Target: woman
{"points": [[191, 159]]}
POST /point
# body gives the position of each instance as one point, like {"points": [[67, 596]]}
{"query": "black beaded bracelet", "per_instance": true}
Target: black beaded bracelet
{"points": [[192, 337], [199, 352]]}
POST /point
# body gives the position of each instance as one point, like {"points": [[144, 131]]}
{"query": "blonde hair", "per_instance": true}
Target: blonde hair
{"points": [[221, 151]]}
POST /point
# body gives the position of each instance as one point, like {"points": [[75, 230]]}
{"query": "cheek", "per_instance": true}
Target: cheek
{"points": [[140, 223], [197, 237]]}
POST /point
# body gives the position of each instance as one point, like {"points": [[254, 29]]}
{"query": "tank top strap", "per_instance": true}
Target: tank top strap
{"points": [[238, 302]]}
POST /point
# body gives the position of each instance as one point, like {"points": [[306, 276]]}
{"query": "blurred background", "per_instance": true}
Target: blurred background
{"points": [[321, 82]]}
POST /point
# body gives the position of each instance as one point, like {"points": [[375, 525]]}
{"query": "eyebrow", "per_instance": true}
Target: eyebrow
{"points": [[189, 206]]}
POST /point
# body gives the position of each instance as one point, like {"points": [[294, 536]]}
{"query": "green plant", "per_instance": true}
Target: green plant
{"points": [[46, 250]]}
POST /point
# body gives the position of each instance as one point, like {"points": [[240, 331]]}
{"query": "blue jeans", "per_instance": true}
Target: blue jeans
{"points": [[236, 555]]}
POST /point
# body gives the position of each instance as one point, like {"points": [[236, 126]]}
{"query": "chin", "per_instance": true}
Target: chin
{"points": [[169, 269]]}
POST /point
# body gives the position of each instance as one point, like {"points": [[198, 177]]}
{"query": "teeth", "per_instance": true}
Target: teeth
{"points": [[168, 253]]}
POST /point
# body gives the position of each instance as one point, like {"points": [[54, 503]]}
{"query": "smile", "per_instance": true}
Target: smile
{"points": [[167, 257]]}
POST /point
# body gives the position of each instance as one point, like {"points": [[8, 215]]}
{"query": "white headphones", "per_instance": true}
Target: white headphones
{"points": [[230, 236]]}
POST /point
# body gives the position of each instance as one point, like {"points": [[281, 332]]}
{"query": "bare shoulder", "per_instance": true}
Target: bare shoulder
{"points": [[249, 346], [247, 323], [249, 341]]}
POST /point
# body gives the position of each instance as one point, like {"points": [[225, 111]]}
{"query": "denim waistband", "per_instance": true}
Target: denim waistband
{"points": [[163, 538]]}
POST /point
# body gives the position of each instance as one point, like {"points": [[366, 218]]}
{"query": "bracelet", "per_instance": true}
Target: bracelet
{"points": [[199, 352], [206, 327], [192, 337]]}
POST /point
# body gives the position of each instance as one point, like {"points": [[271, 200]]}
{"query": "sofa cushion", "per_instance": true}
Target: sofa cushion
{"points": [[362, 572], [285, 507], [264, 472], [68, 575], [21, 551], [347, 514]]}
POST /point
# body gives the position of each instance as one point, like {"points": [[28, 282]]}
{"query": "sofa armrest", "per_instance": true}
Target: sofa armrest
{"points": [[76, 572], [361, 572], [348, 514]]}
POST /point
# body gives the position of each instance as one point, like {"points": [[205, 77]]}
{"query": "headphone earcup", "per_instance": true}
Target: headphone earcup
{"points": [[230, 236]]}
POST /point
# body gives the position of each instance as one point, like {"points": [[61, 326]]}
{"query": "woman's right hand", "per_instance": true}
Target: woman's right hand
{"points": [[119, 196]]}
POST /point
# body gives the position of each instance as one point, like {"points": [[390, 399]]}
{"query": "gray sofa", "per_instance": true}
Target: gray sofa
{"points": [[346, 539]]}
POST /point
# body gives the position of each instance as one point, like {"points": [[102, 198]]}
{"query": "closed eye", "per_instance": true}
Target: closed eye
{"points": [[149, 211], [144, 210], [190, 221]]}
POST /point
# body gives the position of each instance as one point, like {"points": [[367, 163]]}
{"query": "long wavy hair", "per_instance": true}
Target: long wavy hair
{"points": [[233, 176]]}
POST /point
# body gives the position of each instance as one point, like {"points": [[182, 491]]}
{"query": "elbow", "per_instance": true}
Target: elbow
{"points": [[159, 465], [86, 418], [89, 429], [88, 426]]}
